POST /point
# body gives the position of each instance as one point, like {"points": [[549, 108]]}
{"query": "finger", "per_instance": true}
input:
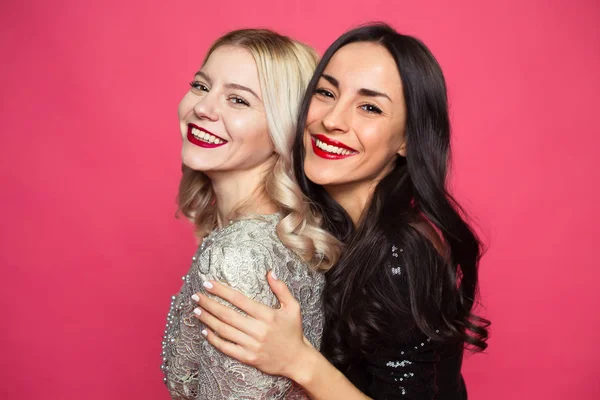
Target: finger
{"points": [[225, 331], [228, 316], [244, 303], [227, 348], [285, 297]]}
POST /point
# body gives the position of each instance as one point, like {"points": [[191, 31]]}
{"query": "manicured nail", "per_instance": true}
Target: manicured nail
{"points": [[195, 297], [204, 332], [207, 285], [274, 276], [197, 311]]}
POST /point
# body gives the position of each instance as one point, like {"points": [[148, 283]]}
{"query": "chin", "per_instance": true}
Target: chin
{"points": [[319, 178], [193, 163]]}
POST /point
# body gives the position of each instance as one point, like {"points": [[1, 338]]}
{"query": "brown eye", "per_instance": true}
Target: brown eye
{"points": [[238, 100], [198, 86], [324, 93], [370, 108]]}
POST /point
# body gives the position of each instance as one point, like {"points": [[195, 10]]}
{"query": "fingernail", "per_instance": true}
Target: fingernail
{"points": [[195, 297], [197, 311], [204, 332], [274, 276], [207, 285]]}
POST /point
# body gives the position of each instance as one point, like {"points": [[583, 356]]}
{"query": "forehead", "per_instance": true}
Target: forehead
{"points": [[365, 65], [231, 64]]}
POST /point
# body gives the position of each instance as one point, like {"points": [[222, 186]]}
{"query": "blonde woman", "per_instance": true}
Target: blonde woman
{"points": [[237, 124]]}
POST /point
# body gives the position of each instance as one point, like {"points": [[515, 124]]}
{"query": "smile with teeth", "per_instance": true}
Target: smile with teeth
{"points": [[206, 137], [332, 149]]}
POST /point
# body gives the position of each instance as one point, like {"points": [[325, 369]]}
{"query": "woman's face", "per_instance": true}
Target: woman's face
{"points": [[222, 117], [356, 120]]}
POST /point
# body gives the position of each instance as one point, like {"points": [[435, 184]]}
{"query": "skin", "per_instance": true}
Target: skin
{"points": [[346, 108], [359, 102], [226, 100]]}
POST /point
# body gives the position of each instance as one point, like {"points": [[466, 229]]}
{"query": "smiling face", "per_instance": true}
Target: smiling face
{"points": [[355, 127], [222, 118]]}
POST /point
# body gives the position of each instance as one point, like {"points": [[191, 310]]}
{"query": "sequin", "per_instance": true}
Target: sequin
{"points": [[396, 364], [403, 377], [395, 270]]}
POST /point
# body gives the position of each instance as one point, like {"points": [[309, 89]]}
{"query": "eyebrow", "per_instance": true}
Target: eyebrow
{"points": [[229, 85], [362, 91]]}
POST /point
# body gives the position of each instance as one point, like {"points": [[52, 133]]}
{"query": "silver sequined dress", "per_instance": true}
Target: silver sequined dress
{"points": [[239, 255]]}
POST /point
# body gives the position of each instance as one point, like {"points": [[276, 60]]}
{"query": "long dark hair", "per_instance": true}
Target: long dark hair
{"points": [[363, 299]]}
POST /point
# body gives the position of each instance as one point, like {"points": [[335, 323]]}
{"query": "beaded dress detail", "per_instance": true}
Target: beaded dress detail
{"points": [[239, 255]]}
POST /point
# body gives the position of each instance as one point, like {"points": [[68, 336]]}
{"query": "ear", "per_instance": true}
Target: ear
{"points": [[402, 148]]}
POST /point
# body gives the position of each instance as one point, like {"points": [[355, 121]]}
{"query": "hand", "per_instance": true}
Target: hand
{"points": [[269, 339]]}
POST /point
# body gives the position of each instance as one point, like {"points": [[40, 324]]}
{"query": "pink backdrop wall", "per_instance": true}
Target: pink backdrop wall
{"points": [[89, 153]]}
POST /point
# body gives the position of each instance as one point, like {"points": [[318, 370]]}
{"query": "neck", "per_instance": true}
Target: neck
{"points": [[355, 197], [241, 192]]}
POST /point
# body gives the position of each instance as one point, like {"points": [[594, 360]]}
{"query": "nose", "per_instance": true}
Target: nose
{"points": [[336, 119], [206, 108]]}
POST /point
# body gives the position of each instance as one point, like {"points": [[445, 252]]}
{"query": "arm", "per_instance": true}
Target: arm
{"points": [[321, 379], [241, 262], [272, 340]]}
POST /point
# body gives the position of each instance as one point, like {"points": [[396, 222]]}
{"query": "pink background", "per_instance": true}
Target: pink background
{"points": [[89, 157]]}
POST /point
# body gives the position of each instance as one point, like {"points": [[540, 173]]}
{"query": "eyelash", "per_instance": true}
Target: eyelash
{"points": [[238, 100], [370, 108], [199, 86], [324, 92]]}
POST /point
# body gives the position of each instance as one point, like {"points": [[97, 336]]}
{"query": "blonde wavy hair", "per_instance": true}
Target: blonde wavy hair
{"points": [[285, 68]]}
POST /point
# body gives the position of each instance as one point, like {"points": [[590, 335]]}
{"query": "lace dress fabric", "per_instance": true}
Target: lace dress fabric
{"points": [[239, 255]]}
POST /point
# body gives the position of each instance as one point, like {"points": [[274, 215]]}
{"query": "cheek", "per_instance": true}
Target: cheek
{"points": [[250, 129], [306, 140], [399, 133], [312, 113], [372, 142], [381, 139], [236, 125], [316, 111], [186, 105]]}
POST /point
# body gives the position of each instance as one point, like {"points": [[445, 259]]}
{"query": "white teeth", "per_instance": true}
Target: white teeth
{"points": [[206, 137], [332, 149]]}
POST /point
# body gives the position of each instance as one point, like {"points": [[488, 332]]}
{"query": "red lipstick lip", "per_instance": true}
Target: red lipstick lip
{"points": [[332, 142], [329, 156], [192, 139]]}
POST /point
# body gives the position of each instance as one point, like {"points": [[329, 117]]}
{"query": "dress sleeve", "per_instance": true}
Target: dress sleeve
{"points": [[243, 263], [408, 364], [401, 376], [431, 371], [241, 260]]}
